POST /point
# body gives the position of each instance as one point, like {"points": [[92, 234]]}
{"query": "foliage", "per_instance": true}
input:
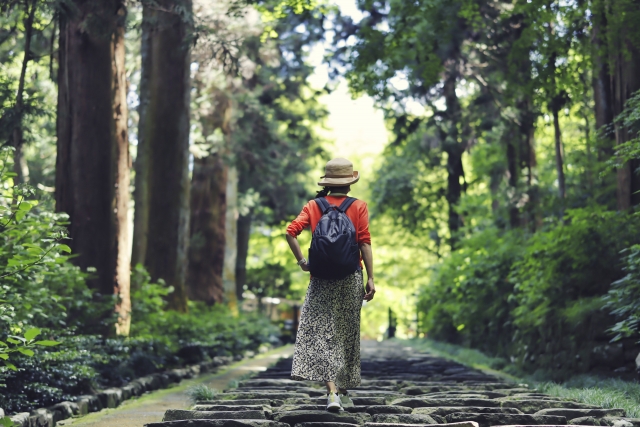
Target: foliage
{"points": [[623, 299], [628, 121], [269, 280], [569, 264], [470, 295], [531, 297]]}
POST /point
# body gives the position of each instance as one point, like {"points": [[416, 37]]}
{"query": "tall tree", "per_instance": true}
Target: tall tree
{"points": [[161, 224], [209, 190], [17, 138], [432, 69], [623, 35], [92, 166]]}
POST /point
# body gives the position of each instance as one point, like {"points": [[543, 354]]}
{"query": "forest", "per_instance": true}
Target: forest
{"points": [[153, 152]]}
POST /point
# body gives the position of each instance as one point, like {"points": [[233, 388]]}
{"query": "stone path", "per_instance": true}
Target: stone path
{"points": [[400, 388], [151, 408]]}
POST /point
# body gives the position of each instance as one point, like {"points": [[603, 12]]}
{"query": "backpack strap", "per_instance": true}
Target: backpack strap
{"points": [[346, 204], [322, 204]]}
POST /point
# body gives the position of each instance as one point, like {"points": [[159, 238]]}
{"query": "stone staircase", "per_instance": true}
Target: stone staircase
{"points": [[400, 388]]}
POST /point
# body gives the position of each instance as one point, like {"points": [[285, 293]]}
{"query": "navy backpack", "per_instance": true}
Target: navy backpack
{"points": [[334, 253]]}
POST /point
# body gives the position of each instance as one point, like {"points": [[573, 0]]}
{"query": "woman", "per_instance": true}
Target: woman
{"points": [[328, 340]]}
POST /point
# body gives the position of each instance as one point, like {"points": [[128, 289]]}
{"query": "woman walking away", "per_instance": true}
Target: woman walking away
{"points": [[328, 340]]}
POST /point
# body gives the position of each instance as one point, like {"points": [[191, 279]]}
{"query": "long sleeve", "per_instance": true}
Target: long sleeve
{"points": [[363, 234], [300, 223]]}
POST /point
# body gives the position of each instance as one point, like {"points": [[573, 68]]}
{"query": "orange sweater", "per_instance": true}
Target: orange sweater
{"points": [[310, 216]]}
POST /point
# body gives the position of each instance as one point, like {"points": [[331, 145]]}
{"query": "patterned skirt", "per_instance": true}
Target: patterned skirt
{"points": [[328, 339]]}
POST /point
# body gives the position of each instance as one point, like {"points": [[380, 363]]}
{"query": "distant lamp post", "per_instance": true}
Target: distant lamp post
{"points": [[391, 332]]}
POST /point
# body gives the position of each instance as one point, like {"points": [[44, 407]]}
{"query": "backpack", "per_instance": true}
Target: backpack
{"points": [[334, 253]]}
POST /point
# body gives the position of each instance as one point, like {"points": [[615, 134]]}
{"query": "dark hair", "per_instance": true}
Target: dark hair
{"points": [[326, 190]]}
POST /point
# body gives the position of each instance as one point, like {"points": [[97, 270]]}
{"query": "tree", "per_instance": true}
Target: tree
{"points": [[273, 139], [92, 166], [431, 68], [161, 224], [623, 36], [208, 190]]}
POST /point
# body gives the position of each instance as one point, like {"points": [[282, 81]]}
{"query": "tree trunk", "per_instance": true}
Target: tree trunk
{"points": [[244, 234], [454, 150], [559, 154], [512, 167], [92, 164], [601, 80], [208, 212], [231, 239], [625, 80], [162, 187], [19, 163]]}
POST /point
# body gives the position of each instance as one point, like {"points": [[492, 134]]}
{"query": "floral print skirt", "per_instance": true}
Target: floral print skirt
{"points": [[328, 339]]}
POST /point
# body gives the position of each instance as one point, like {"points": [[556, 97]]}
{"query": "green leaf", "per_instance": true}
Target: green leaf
{"points": [[64, 248], [10, 366], [4, 356], [20, 215], [14, 341], [26, 352], [25, 206], [32, 333], [6, 422], [47, 343]]}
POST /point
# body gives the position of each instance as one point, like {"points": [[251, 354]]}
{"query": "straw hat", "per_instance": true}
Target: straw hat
{"points": [[339, 172]]}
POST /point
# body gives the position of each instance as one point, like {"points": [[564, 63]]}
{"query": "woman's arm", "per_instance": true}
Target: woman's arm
{"points": [[367, 257], [297, 252]]}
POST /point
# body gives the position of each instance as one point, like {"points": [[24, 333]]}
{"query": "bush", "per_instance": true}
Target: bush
{"points": [[42, 291], [623, 299], [538, 300], [469, 299]]}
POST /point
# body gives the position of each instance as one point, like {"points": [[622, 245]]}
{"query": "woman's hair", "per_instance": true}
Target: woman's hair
{"points": [[326, 190]]}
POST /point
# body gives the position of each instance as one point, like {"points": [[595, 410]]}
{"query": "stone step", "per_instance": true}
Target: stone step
{"points": [[296, 417], [387, 409], [325, 424], [359, 401], [463, 424], [182, 414], [267, 409], [235, 395], [218, 423], [405, 419], [289, 408], [419, 403], [446, 410], [313, 392], [610, 421], [571, 414], [533, 406], [236, 402], [487, 420]]}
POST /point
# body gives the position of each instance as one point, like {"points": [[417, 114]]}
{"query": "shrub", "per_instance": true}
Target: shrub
{"points": [[468, 300], [538, 300], [623, 299]]}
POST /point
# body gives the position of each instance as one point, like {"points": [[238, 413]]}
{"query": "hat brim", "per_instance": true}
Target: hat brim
{"points": [[339, 182]]}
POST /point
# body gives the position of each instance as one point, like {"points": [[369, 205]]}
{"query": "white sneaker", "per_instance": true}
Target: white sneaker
{"points": [[345, 400], [333, 403]]}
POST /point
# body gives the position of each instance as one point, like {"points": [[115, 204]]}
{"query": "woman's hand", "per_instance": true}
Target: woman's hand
{"points": [[370, 289], [304, 266]]}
